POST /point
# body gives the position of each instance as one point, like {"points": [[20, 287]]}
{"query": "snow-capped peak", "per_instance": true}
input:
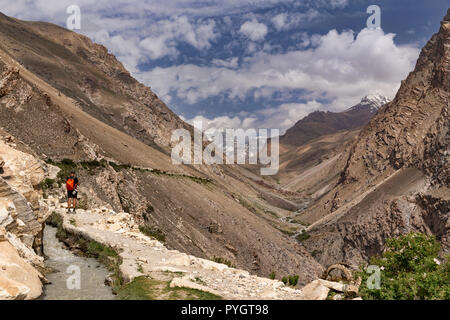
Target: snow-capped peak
{"points": [[372, 101], [375, 100]]}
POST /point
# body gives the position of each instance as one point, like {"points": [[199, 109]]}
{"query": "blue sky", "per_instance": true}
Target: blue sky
{"points": [[250, 63]]}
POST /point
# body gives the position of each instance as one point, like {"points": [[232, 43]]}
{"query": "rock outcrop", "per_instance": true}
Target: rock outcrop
{"points": [[21, 223], [18, 279]]}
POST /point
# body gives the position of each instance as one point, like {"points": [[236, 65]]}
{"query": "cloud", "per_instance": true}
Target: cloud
{"points": [[335, 67], [333, 4], [286, 21], [341, 67], [166, 34], [230, 63], [254, 30], [281, 117]]}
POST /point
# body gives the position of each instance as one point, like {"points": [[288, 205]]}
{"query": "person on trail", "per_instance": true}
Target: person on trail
{"points": [[72, 186]]}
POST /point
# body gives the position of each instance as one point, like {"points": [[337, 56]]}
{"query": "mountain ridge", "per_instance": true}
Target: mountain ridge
{"points": [[400, 158], [319, 123]]}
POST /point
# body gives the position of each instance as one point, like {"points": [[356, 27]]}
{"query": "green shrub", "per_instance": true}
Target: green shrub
{"points": [[47, 184], [303, 236], [153, 232], [272, 275], [409, 270], [316, 253], [291, 280], [223, 261]]}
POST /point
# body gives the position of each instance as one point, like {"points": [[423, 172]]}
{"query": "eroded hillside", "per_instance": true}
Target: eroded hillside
{"points": [[396, 177], [64, 97]]}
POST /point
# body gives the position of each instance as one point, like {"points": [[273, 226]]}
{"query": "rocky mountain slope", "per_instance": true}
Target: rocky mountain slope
{"points": [[320, 123], [396, 178], [313, 153], [61, 96], [93, 78]]}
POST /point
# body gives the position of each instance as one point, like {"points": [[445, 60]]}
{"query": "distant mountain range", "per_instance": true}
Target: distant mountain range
{"points": [[321, 123]]}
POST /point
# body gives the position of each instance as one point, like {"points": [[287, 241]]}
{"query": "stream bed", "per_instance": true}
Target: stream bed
{"points": [[76, 278]]}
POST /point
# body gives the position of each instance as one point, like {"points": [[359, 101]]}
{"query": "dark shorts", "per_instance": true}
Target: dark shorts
{"points": [[71, 194]]}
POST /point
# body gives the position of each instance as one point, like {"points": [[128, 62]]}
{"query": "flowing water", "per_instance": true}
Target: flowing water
{"points": [[76, 278]]}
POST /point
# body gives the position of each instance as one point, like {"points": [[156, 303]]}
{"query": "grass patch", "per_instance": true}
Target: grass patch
{"points": [[316, 253], [303, 236], [119, 167], [224, 261], [153, 232], [47, 184], [145, 288], [291, 280], [93, 164]]}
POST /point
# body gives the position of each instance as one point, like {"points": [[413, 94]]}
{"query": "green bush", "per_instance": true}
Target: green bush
{"points": [[291, 280], [153, 232], [409, 271], [93, 164], [224, 261], [47, 183], [272, 275], [303, 236]]}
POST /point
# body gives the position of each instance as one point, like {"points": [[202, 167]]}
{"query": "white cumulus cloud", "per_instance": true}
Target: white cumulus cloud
{"points": [[254, 30]]}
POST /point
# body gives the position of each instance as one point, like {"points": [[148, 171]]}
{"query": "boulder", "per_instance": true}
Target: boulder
{"points": [[18, 279], [315, 290], [12, 290]]}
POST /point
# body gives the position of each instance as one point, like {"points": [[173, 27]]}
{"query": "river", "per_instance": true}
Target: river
{"points": [[76, 278]]}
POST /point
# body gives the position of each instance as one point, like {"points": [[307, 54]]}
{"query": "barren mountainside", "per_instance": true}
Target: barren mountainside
{"points": [[96, 81], [62, 96], [314, 151], [396, 177], [320, 123]]}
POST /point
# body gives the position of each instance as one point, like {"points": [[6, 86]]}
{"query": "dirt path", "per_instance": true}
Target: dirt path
{"points": [[143, 256]]}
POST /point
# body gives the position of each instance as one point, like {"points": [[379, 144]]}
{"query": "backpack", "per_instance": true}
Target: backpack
{"points": [[70, 184]]}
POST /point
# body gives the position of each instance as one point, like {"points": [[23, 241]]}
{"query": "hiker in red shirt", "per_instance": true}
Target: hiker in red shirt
{"points": [[71, 186]]}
